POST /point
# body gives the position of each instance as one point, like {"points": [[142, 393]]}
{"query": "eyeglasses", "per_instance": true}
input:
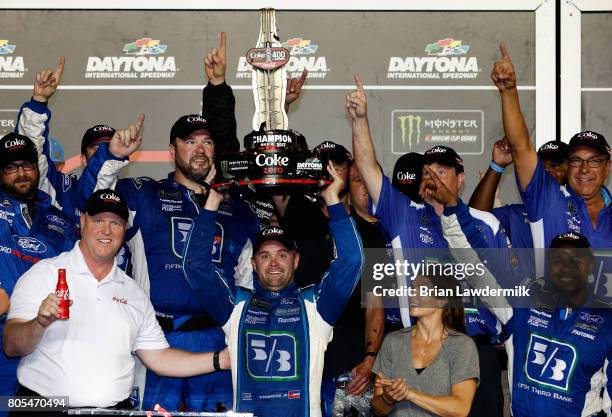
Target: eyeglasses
{"points": [[592, 163], [12, 168]]}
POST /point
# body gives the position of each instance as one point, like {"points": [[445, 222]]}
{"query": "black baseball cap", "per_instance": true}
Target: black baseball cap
{"points": [[590, 139], [107, 201], [554, 151], [186, 125], [276, 233], [407, 175], [97, 133], [444, 156], [327, 150], [16, 147], [570, 239]]}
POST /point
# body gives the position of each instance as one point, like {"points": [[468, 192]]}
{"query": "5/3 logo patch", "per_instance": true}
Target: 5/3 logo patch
{"points": [[180, 230], [272, 356], [550, 362]]}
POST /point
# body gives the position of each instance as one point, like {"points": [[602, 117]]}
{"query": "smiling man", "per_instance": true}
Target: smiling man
{"points": [[89, 356], [30, 229], [277, 333], [583, 205]]}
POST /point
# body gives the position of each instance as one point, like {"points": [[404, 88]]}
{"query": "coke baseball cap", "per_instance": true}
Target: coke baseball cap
{"points": [[186, 125], [590, 139], [327, 150], [554, 150], [96, 134], [107, 201], [570, 239], [443, 155], [276, 233], [407, 174], [16, 147]]}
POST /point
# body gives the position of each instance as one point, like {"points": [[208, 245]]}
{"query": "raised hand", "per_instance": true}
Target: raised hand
{"points": [[356, 102], [215, 62], [433, 190], [47, 81], [214, 198], [126, 141], [332, 192], [501, 153], [294, 88], [503, 74]]}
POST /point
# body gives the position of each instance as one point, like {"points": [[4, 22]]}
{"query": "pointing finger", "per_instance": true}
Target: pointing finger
{"points": [[139, 123], [302, 78], [504, 52], [222, 43], [60, 68], [359, 83]]}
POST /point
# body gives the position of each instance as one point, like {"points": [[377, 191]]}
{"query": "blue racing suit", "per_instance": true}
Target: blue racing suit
{"points": [[22, 245], [559, 359], [413, 228], [514, 219], [277, 339], [68, 192], [556, 209], [161, 216]]}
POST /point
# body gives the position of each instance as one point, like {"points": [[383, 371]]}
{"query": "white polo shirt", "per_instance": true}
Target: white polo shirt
{"points": [[89, 356]]}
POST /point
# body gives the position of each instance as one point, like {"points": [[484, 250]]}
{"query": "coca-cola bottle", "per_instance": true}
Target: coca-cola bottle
{"points": [[61, 290]]}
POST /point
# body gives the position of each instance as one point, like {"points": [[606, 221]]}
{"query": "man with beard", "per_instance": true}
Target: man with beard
{"points": [[161, 215], [30, 227]]}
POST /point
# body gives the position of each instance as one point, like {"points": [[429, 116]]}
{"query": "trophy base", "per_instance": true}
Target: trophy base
{"points": [[272, 185]]}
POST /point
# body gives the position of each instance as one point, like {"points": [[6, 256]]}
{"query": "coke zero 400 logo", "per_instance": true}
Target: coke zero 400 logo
{"points": [[303, 56]]}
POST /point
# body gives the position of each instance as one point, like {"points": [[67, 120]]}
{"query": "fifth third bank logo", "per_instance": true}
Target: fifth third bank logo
{"points": [[550, 362], [271, 355]]}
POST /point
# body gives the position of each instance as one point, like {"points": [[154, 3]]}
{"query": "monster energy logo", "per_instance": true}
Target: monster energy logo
{"points": [[410, 126]]}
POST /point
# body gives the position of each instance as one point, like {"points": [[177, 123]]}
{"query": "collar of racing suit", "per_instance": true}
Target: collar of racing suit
{"points": [[605, 195], [262, 292], [41, 199]]}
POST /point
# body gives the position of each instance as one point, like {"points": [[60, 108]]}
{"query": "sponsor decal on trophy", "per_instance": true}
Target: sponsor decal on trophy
{"points": [[275, 158]]}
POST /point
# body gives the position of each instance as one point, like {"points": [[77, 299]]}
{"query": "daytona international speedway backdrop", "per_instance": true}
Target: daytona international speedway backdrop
{"points": [[427, 74]]}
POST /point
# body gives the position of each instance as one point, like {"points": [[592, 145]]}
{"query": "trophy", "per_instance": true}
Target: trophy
{"points": [[276, 159], [269, 77]]}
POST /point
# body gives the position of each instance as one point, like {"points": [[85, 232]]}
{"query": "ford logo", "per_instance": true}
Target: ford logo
{"points": [[31, 245]]}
